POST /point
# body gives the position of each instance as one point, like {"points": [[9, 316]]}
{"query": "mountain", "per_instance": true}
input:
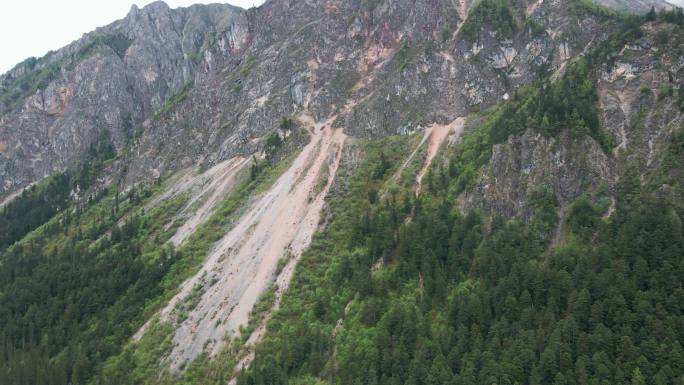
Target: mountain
{"points": [[226, 66], [103, 85], [340, 192]]}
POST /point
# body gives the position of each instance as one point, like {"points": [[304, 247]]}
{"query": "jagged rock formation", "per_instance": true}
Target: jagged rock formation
{"points": [[104, 84], [216, 79], [634, 111]]}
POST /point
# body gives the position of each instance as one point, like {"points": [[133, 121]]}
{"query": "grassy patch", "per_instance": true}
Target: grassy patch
{"points": [[176, 98], [494, 14]]}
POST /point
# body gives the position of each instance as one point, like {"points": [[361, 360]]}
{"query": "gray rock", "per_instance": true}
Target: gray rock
{"points": [[377, 68]]}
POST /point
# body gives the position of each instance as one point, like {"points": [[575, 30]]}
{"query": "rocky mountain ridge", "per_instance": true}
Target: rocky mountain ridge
{"points": [[203, 84], [102, 85]]}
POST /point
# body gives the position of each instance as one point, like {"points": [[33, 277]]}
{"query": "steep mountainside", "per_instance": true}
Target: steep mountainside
{"points": [[348, 192], [103, 85], [231, 76]]}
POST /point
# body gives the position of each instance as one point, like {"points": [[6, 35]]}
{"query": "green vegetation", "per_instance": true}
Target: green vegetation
{"points": [[570, 103], [494, 14], [135, 366], [405, 55], [35, 206], [462, 300], [553, 107], [220, 369], [369, 5], [464, 163], [14, 90], [536, 28], [195, 57], [678, 142], [100, 272], [176, 98], [118, 43], [39, 203], [257, 314], [140, 359], [273, 144], [99, 154], [345, 80], [247, 66], [675, 16], [584, 7], [396, 289], [71, 291], [457, 299], [665, 91], [190, 302], [286, 123]]}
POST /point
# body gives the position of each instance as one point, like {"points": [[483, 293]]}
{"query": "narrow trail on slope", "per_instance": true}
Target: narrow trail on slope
{"points": [[10, 197], [242, 265], [559, 232], [438, 134], [408, 160]]}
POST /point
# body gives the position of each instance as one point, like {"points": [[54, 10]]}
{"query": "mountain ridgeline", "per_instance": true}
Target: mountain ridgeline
{"points": [[348, 192]]}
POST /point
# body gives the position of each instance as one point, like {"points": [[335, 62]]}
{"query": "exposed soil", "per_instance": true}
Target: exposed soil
{"points": [[283, 280], [217, 183], [438, 134], [242, 265]]}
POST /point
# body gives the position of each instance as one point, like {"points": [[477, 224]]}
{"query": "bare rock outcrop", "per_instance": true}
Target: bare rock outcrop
{"points": [[176, 87]]}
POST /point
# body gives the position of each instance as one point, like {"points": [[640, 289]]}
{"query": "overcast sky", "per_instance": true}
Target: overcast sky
{"points": [[33, 27]]}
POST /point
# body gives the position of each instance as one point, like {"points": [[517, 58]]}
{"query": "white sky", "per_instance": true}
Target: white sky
{"points": [[34, 27]]}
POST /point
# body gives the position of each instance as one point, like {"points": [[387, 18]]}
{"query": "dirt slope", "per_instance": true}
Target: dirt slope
{"points": [[243, 264], [437, 133]]}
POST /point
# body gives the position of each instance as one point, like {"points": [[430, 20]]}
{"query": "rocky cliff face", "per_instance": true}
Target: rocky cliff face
{"points": [[374, 68], [175, 88], [205, 83], [104, 84], [639, 111]]}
